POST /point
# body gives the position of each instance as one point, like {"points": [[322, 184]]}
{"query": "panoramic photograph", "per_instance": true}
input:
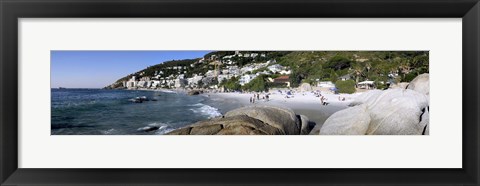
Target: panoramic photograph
{"points": [[134, 92]]}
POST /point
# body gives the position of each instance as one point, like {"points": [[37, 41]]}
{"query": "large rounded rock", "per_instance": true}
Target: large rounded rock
{"points": [[253, 120], [284, 119], [401, 85], [351, 121], [305, 87], [390, 112], [306, 125], [397, 111], [366, 97], [235, 125], [421, 84], [193, 92]]}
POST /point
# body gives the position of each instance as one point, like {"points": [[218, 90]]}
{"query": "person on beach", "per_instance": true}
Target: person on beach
{"points": [[253, 100], [250, 99], [258, 96], [321, 100]]}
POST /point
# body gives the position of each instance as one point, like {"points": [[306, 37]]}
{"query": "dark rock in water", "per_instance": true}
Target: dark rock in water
{"points": [[258, 120], [135, 100], [149, 128], [140, 99], [193, 92]]}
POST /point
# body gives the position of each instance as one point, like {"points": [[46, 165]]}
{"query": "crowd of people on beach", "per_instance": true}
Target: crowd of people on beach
{"points": [[256, 96]]}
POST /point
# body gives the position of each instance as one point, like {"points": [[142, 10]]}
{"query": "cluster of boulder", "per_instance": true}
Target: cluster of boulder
{"points": [[402, 110], [251, 120]]}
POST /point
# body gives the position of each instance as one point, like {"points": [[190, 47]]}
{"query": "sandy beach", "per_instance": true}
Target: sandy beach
{"points": [[305, 103]]}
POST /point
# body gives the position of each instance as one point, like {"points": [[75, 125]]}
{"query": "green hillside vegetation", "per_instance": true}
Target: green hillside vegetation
{"points": [[259, 84], [347, 86], [306, 67], [364, 65]]}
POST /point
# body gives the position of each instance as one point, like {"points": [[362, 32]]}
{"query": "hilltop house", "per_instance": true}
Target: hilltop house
{"points": [[366, 85], [282, 80], [246, 78], [325, 84], [345, 77]]}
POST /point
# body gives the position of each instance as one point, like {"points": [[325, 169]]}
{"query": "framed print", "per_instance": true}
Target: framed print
{"points": [[228, 92]]}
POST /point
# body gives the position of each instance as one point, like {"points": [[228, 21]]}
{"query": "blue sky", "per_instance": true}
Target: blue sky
{"points": [[97, 69]]}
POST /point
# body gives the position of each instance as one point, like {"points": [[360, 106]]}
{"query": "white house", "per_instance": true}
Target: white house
{"points": [[276, 68], [325, 84], [246, 78]]}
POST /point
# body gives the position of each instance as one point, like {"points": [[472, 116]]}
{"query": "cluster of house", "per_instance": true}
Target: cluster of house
{"points": [[224, 69]]}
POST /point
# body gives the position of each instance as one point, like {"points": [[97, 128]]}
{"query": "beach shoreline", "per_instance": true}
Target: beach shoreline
{"points": [[304, 103]]}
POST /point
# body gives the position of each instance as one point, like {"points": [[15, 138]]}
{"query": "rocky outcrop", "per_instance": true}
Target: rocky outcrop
{"points": [[420, 84], [305, 87], [389, 112], [252, 120], [194, 92], [282, 118], [351, 121], [402, 85]]}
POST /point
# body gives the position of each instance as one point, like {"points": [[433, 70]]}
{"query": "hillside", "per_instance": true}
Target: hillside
{"points": [[254, 70]]}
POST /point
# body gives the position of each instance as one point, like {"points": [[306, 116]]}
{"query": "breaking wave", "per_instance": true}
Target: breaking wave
{"points": [[206, 110]]}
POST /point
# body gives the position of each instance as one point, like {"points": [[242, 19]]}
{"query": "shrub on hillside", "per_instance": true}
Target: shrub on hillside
{"points": [[347, 86]]}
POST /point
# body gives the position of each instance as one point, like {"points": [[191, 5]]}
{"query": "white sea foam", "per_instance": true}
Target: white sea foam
{"points": [[167, 91], [164, 130], [108, 132], [206, 110], [153, 126]]}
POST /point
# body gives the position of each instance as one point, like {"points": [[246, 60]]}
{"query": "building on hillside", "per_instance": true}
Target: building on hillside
{"points": [[276, 68], [285, 72], [366, 85], [325, 84], [234, 70], [225, 71], [361, 60], [213, 57], [131, 83], [282, 80], [155, 84], [246, 78], [222, 77], [246, 69], [180, 83], [345, 77]]}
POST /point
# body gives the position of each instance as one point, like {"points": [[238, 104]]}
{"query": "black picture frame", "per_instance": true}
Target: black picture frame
{"points": [[12, 10]]}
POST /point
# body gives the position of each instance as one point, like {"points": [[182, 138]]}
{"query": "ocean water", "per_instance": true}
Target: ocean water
{"points": [[109, 112]]}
